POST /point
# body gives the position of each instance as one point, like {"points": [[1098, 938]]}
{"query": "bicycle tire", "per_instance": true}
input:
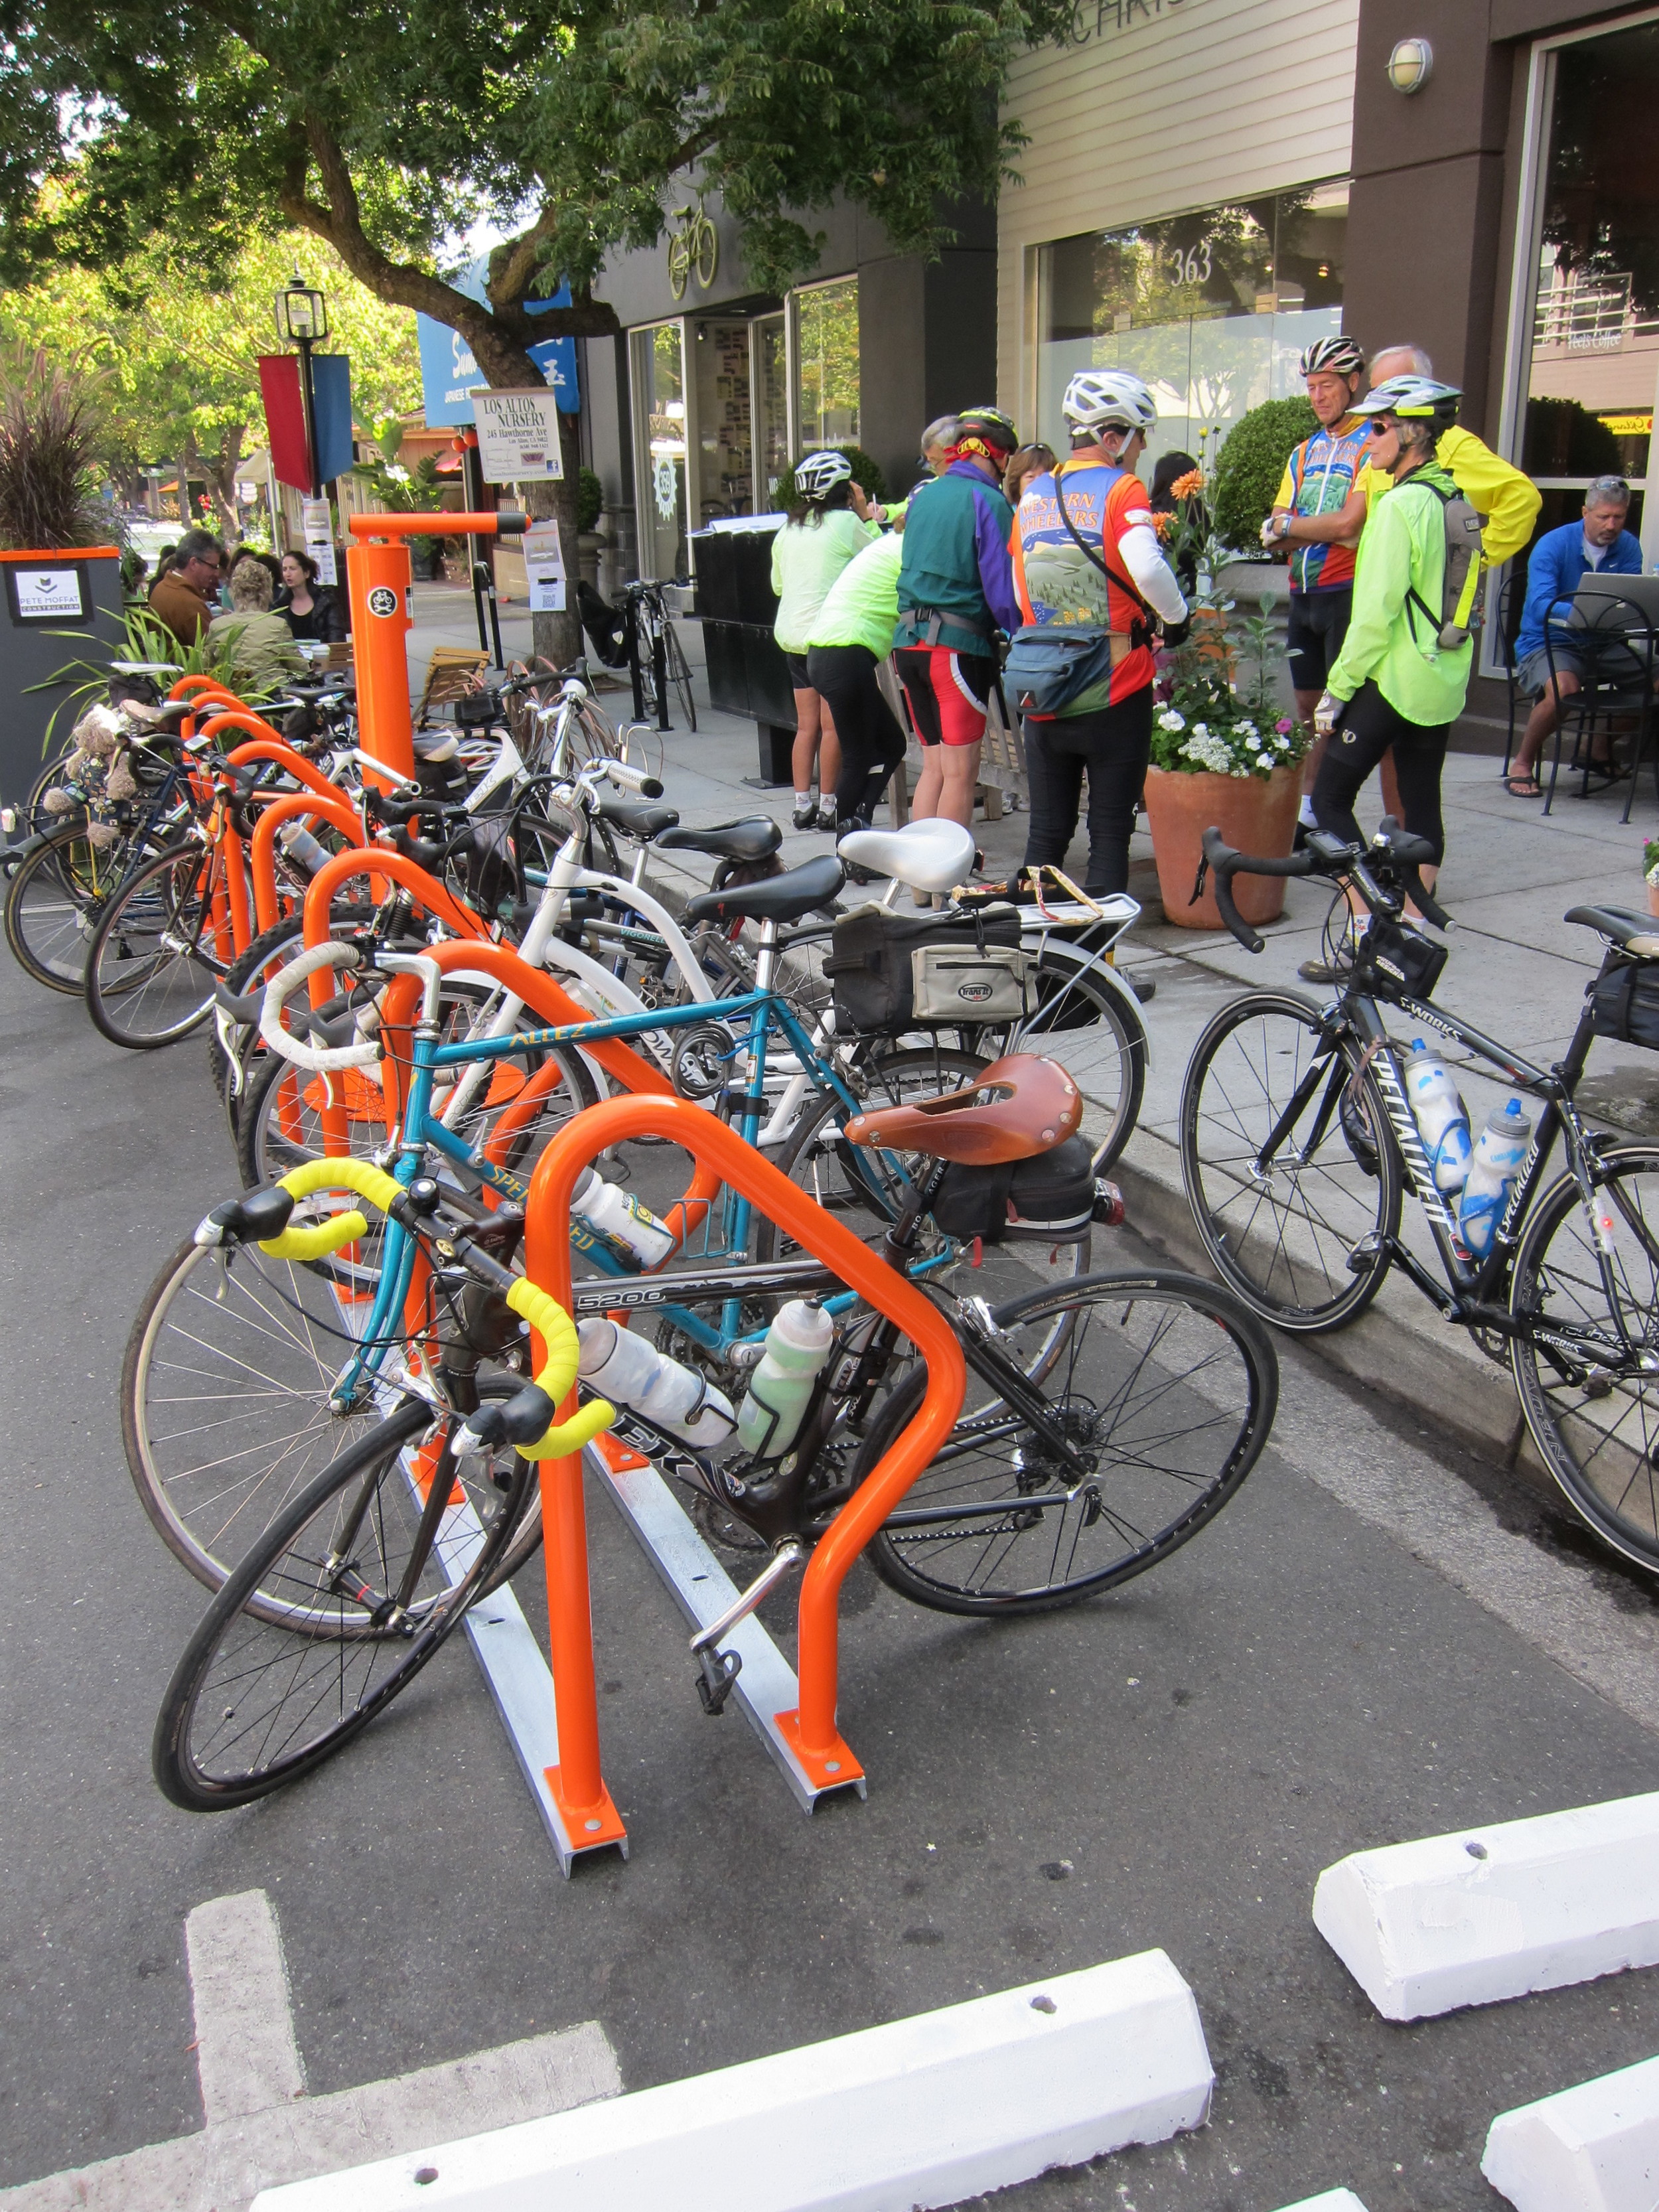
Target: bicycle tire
{"points": [[353, 1663], [53, 899], [679, 672], [1098, 1033], [149, 978], [1160, 1381], [1593, 1427], [1310, 1252]]}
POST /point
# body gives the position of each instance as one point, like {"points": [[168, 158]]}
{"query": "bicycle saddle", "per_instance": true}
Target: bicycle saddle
{"points": [[1019, 1107], [752, 839], [436, 745], [1618, 923], [786, 898], [640, 818], [928, 856]]}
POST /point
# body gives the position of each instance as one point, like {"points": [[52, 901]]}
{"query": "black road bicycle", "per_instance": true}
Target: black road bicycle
{"points": [[1297, 1143]]}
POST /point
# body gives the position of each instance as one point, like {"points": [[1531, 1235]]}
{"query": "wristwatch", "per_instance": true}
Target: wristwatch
{"points": [[1283, 529]]}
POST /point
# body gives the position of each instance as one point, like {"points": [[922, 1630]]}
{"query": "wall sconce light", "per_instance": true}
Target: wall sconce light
{"points": [[1411, 65]]}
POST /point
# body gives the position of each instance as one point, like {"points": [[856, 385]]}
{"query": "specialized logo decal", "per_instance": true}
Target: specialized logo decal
{"points": [[382, 600]]}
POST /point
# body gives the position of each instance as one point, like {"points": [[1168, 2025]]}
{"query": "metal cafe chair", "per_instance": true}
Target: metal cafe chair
{"points": [[1613, 640]]}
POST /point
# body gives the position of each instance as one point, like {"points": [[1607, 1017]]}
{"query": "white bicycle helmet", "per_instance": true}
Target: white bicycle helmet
{"points": [[1107, 399], [1340, 354], [818, 473], [1414, 398]]}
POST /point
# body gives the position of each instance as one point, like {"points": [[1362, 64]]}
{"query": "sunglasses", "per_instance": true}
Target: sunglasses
{"points": [[1380, 426]]}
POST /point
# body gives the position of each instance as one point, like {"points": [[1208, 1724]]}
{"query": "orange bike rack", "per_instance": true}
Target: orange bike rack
{"points": [[577, 1787]]}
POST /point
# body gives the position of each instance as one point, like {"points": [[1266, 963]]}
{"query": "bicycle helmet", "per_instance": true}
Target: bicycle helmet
{"points": [[1340, 354], [1107, 399], [990, 427], [818, 473], [1414, 399]]}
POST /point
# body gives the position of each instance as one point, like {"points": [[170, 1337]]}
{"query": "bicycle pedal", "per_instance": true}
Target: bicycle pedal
{"points": [[1365, 1252], [717, 1675]]}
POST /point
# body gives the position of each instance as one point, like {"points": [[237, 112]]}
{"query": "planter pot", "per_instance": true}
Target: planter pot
{"points": [[1254, 814], [1653, 898]]}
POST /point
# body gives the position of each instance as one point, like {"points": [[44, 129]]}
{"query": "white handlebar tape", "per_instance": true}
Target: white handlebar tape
{"points": [[281, 987]]}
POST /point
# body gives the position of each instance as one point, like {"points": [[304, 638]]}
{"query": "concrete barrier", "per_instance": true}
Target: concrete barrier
{"points": [[1333, 2200], [1595, 2148], [1496, 1912], [920, 2112]]}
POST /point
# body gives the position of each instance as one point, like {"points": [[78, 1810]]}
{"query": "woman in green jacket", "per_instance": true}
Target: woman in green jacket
{"points": [[1394, 684], [263, 653], [830, 521]]}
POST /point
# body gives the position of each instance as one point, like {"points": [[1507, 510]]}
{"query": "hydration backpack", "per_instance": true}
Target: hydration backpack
{"points": [[1460, 575]]}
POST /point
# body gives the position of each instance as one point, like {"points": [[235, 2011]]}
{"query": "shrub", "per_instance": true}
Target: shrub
{"points": [[1250, 465], [49, 437], [1565, 440], [867, 475], [590, 500]]}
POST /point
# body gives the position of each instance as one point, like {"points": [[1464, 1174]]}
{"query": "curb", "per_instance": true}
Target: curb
{"points": [[1593, 2149]]}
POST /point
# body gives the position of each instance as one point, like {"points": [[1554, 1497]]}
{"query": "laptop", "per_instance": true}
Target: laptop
{"points": [[1590, 602]]}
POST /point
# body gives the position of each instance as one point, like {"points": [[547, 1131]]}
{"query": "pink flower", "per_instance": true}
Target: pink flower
{"points": [[1284, 728]]}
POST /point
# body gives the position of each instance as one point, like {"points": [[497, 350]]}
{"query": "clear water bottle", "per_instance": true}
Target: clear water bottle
{"points": [[1442, 1118], [628, 1371], [617, 1214], [1498, 1158], [305, 851], [797, 1345]]}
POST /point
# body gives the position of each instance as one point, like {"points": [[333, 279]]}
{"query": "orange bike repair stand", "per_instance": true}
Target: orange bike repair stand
{"points": [[382, 614], [796, 1719]]}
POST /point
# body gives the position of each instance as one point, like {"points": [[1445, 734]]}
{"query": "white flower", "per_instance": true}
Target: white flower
{"points": [[1200, 730], [1252, 742], [1169, 719]]}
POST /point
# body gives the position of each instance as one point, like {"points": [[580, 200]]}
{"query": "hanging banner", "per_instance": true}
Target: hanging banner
{"points": [[285, 419], [517, 436], [450, 374], [544, 562], [319, 539], [330, 386]]}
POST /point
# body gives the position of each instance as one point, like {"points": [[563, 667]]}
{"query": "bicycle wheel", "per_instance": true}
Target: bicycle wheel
{"points": [[253, 1704], [1587, 1375], [1100, 1037], [1168, 1388], [151, 964], [1289, 1164], [679, 672], [52, 904]]}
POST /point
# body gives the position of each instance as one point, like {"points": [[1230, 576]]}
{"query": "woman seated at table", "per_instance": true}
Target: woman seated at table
{"points": [[313, 612], [263, 653]]}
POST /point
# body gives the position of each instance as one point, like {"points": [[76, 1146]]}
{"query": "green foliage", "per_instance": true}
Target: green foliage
{"points": [[143, 638], [867, 475], [1565, 440], [50, 431], [1650, 859], [1220, 717], [1251, 464], [590, 500]]}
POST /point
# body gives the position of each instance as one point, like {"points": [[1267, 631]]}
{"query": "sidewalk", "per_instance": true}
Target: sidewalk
{"points": [[1516, 969]]}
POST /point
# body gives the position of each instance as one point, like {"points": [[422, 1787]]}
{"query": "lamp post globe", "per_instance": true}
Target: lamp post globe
{"points": [[303, 319]]}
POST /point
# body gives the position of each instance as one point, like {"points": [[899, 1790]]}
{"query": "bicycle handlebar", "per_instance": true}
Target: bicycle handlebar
{"points": [[322, 1058], [631, 779], [1322, 855]]}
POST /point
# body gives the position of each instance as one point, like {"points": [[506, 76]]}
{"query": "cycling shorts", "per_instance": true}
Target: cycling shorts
{"points": [[947, 692], [1318, 623]]}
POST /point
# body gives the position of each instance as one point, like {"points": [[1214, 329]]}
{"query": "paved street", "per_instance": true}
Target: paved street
{"points": [[1381, 1637]]}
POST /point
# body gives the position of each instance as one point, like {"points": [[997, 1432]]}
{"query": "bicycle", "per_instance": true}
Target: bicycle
{"points": [[1297, 1143], [652, 645], [693, 250], [1111, 1420]]}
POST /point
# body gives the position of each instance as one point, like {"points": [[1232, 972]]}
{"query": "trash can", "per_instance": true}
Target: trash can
{"points": [[61, 607], [747, 673]]}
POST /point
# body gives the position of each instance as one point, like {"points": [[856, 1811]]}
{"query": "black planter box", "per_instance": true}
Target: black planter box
{"points": [[47, 594]]}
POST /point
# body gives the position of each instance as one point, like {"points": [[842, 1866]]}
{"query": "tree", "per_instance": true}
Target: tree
{"points": [[179, 359], [382, 127]]}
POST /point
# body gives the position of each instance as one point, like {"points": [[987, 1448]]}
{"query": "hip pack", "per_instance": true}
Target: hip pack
{"points": [[895, 972]]}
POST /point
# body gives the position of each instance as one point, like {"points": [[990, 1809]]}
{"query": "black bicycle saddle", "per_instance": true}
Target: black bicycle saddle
{"points": [[639, 817], [752, 839], [1617, 922], [786, 898]]}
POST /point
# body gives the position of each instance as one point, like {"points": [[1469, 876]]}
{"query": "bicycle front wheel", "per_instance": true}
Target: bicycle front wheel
{"points": [[53, 901], [680, 674], [1586, 1364], [151, 964], [1289, 1164], [255, 1704], [1167, 1390]]}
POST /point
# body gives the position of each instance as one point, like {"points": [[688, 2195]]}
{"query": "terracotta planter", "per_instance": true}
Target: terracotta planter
{"points": [[1254, 814], [1653, 898]]}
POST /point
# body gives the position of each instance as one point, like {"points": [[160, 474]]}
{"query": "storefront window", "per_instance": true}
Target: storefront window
{"points": [[827, 325], [659, 383], [1593, 367], [722, 424], [1212, 310], [770, 381]]}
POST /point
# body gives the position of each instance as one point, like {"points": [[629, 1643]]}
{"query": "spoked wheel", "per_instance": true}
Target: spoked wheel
{"points": [[53, 901], [152, 959], [1587, 1369], [255, 1704], [680, 674], [1289, 1164], [1166, 1390], [1099, 1035]]}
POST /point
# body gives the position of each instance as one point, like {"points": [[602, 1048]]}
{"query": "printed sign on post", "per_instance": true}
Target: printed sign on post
{"points": [[543, 561], [47, 594], [319, 539], [517, 436]]}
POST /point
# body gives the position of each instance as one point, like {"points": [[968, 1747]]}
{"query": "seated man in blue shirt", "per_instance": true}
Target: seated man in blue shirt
{"points": [[1561, 559]]}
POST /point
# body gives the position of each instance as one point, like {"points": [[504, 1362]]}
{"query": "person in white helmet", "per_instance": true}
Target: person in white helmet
{"points": [[1086, 555], [829, 522]]}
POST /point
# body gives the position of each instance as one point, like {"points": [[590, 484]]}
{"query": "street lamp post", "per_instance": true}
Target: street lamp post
{"points": [[303, 319]]}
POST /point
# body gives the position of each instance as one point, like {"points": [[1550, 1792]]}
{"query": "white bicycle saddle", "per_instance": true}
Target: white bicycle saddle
{"points": [[927, 856]]}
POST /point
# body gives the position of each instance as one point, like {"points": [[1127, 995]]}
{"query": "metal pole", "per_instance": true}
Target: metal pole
{"points": [[308, 400]]}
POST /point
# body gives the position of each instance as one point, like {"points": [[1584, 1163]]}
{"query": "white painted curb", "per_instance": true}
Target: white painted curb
{"points": [[920, 2112], [1333, 2200], [1496, 1912], [1595, 2148]]}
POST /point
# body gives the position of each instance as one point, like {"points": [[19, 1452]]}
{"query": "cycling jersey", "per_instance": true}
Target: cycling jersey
{"points": [[1057, 582], [954, 586], [1319, 479]]}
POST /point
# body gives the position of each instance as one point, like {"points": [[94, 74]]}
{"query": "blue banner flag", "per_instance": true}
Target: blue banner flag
{"points": [[449, 372], [331, 384]]}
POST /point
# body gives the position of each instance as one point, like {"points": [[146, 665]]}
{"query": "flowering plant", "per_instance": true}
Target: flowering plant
{"points": [[1650, 860]]}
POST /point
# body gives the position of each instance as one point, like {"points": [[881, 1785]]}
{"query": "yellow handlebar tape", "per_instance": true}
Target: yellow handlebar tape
{"points": [[546, 1315]]}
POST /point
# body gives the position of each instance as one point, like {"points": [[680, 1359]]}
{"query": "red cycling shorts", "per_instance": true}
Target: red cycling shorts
{"points": [[947, 692]]}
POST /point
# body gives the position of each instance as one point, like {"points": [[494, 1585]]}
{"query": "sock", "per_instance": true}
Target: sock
{"points": [[1306, 816]]}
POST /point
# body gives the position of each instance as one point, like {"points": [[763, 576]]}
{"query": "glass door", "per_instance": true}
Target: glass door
{"points": [[827, 356], [722, 424], [768, 378], [658, 375]]}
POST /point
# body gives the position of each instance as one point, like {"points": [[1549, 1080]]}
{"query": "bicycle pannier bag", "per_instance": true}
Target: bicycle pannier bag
{"points": [[1624, 1004], [1050, 1196], [966, 967], [1402, 962]]}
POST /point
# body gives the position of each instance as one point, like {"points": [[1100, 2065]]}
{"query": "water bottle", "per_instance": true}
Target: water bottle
{"points": [[617, 1214], [797, 1345], [305, 851], [624, 1368], [1498, 1158], [1442, 1118]]}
